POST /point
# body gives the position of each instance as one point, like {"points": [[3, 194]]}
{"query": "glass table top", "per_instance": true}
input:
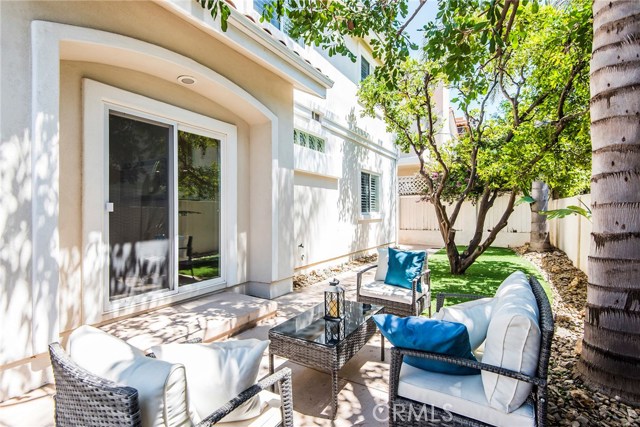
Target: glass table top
{"points": [[312, 326]]}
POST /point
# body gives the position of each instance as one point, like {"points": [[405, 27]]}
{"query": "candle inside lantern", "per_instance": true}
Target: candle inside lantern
{"points": [[334, 300]]}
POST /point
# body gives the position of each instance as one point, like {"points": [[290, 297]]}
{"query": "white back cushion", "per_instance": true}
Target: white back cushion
{"points": [[513, 342], [218, 372], [475, 315], [383, 263], [162, 388]]}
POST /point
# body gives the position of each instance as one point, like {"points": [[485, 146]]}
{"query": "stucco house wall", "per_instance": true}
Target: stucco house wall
{"points": [[283, 195], [329, 226], [41, 150]]}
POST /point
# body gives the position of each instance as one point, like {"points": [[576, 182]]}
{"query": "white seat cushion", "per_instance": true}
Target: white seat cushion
{"points": [[379, 289], [270, 417], [162, 387], [475, 315], [460, 394], [383, 263], [218, 372], [513, 342]]}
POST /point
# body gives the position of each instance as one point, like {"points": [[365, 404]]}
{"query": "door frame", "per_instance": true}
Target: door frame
{"points": [[99, 99]]}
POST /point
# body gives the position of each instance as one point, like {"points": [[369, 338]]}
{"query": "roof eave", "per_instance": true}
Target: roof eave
{"points": [[251, 40]]}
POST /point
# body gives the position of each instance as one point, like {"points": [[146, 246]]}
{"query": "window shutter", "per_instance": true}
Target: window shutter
{"points": [[364, 192], [374, 193], [365, 69]]}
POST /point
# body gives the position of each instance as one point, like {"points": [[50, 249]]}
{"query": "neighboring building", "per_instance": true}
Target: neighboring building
{"points": [[462, 126], [408, 163], [139, 141]]}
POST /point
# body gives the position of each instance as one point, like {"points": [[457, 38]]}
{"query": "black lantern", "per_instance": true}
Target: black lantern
{"points": [[334, 331], [334, 301]]}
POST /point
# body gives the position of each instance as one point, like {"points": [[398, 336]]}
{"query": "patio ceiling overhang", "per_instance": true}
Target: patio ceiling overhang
{"points": [[251, 40]]}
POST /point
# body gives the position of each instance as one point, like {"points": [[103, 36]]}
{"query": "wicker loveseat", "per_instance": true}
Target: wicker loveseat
{"points": [[423, 398], [85, 399]]}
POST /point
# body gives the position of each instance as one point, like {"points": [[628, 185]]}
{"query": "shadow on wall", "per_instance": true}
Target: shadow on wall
{"points": [[17, 299], [366, 233], [315, 217]]}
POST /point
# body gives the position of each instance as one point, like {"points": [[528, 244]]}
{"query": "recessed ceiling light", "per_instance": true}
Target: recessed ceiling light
{"points": [[187, 80]]}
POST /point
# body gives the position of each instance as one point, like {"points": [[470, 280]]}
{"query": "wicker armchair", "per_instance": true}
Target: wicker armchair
{"points": [[402, 406], [412, 305], [85, 399]]}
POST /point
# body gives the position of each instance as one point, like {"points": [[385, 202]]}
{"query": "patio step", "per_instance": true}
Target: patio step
{"points": [[209, 318]]}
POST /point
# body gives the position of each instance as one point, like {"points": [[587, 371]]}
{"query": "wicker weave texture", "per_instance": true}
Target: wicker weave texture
{"points": [[419, 302], [83, 399], [439, 417], [320, 357]]}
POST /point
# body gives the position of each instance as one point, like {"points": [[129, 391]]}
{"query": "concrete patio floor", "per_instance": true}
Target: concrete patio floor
{"points": [[363, 380]]}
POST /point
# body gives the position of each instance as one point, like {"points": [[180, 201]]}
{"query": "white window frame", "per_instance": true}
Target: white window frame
{"points": [[99, 100], [371, 214]]}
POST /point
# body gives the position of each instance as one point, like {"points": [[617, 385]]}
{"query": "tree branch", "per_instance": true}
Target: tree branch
{"points": [[413, 15], [502, 223]]}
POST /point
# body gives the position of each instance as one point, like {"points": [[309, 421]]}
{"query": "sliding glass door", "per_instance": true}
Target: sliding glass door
{"points": [[164, 220]]}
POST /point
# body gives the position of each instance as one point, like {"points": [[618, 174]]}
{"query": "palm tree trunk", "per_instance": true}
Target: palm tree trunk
{"points": [[611, 346], [539, 237]]}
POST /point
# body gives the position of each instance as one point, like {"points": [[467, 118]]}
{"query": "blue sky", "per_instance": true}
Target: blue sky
{"points": [[426, 14]]}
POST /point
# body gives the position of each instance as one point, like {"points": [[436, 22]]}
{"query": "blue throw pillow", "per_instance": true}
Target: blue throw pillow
{"points": [[404, 266], [436, 336]]}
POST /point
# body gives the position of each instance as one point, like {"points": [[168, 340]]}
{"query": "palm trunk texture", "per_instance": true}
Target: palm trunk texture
{"points": [[539, 239], [610, 359]]}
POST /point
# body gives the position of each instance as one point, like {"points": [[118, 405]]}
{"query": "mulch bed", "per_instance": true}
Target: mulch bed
{"points": [[316, 276]]}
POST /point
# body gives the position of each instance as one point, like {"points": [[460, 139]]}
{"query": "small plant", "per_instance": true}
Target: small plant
{"points": [[569, 210]]}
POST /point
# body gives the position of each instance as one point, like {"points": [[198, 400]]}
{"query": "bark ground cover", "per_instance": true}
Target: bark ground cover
{"points": [[571, 403]]}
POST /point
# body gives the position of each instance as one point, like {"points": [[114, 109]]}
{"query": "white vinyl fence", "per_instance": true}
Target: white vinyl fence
{"points": [[418, 225], [572, 234]]}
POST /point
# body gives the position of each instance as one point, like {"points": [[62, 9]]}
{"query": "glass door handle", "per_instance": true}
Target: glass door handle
{"points": [[109, 207]]}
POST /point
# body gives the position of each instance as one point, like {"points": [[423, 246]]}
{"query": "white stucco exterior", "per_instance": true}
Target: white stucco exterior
{"points": [[286, 207]]}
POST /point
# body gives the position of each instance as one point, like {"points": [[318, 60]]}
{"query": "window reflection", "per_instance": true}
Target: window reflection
{"points": [[198, 208]]}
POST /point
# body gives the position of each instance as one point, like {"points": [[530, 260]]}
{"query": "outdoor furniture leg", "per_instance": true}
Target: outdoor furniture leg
{"points": [[334, 394], [381, 347], [271, 370]]}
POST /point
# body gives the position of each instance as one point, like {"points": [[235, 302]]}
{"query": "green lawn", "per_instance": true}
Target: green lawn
{"points": [[483, 277], [203, 272], [204, 267]]}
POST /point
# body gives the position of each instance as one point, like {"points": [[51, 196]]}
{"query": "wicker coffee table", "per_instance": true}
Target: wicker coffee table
{"points": [[324, 345]]}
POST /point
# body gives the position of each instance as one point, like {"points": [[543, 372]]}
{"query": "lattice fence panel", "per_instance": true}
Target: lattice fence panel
{"points": [[411, 185]]}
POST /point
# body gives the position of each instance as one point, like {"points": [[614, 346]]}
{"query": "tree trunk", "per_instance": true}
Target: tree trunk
{"points": [[611, 347], [539, 238]]}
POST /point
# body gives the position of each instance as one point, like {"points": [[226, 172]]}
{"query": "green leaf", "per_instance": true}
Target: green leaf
{"points": [[565, 212], [525, 199]]}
